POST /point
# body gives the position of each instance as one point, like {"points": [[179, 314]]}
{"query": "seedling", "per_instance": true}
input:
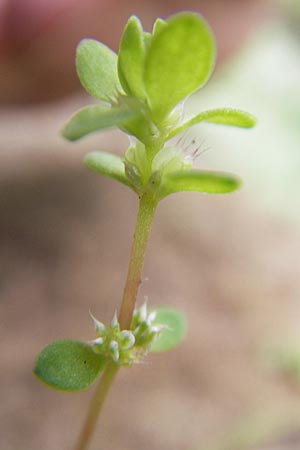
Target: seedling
{"points": [[142, 91]]}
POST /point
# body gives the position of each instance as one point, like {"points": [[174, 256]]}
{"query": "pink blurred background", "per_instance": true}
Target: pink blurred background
{"points": [[231, 262], [38, 38]]}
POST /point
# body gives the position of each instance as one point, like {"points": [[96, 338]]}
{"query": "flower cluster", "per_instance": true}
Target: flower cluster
{"points": [[127, 347]]}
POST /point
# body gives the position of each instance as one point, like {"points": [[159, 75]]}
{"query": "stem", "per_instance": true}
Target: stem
{"points": [[144, 220], [96, 405], [145, 215]]}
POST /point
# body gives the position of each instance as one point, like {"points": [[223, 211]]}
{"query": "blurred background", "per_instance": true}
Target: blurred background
{"points": [[231, 263]]}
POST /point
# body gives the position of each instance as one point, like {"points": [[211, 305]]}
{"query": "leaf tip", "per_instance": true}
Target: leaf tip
{"points": [[252, 121]]}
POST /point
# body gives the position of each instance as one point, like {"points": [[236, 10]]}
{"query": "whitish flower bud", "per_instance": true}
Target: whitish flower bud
{"points": [[143, 312], [99, 326], [114, 324], [114, 351], [151, 317], [128, 339], [99, 341]]}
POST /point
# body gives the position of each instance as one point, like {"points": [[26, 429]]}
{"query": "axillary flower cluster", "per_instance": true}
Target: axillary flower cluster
{"points": [[127, 347]]}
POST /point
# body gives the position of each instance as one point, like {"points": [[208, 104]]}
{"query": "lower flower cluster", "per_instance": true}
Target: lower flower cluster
{"points": [[127, 347]]}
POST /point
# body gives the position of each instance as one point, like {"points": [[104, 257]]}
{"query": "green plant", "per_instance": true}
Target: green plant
{"points": [[142, 92]]}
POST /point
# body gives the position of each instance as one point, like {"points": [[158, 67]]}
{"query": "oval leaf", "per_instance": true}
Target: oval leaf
{"points": [[131, 58], [222, 116], [96, 66], [179, 61], [94, 118], [107, 164], [68, 365], [198, 181], [175, 330]]}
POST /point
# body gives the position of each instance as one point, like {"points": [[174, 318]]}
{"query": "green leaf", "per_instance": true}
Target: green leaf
{"points": [[107, 164], [140, 125], [159, 25], [147, 40], [68, 365], [131, 58], [179, 61], [174, 333], [198, 181], [97, 69], [222, 116], [94, 118]]}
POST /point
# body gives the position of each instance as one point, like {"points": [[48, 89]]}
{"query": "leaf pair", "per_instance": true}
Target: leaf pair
{"points": [[69, 365], [112, 166]]}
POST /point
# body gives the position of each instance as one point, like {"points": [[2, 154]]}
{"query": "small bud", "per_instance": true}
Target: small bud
{"points": [[99, 326], [128, 339], [114, 351], [151, 317], [143, 311], [114, 324], [113, 345], [98, 345], [132, 173], [99, 341]]}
